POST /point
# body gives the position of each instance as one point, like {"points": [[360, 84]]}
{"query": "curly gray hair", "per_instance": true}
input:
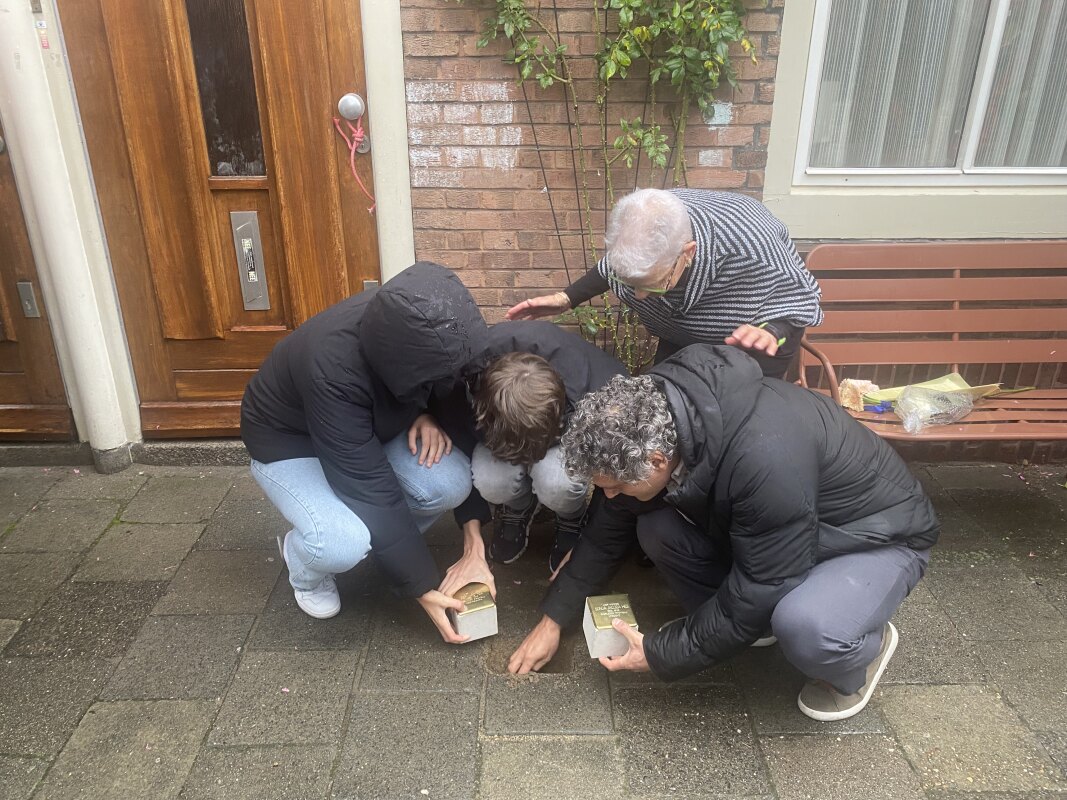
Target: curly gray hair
{"points": [[615, 430], [647, 228]]}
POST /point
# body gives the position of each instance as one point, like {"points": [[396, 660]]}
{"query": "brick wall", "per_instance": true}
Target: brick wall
{"points": [[503, 212]]}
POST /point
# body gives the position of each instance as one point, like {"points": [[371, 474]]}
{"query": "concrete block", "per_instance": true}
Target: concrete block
{"points": [[191, 496], [221, 582], [286, 698], [1033, 677], [965, 738], [410, 744], [87, 619], [27, 580], [550, 769], [129, 749], [87, 484], [276, 772], [60, 526], [138, 553], [180, 658]]}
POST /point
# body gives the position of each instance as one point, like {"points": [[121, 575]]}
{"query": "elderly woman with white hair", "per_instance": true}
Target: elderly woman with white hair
{"points": [[700, 267]]}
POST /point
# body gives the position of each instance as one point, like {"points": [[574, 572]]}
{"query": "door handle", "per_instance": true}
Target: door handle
{"points": [[352, 107]]}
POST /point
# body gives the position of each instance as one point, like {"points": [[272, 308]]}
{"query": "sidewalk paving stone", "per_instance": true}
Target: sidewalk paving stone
{"points": [[19, 776], [1039, 535], [410, 744], [283, 626], [221, 582], [244, 487], [129, 749], [1055, 744], [87, 619], [967, 738], [244, 525], [27, 580], [44, 698], [274, 772], [86, 484], [1033, 678], [998, 602], [551, 769], [21, 488], [286, 698], [187, 497], [8, 628], [180, 658], [689, 742], [139, 552], [840, 768], [930, 649], [60, 525]]}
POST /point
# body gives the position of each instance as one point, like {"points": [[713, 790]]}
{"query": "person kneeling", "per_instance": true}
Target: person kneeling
{"points": [[764, 505]]}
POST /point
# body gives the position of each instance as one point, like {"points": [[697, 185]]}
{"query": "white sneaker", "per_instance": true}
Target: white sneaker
{"points": [[322, 602]]}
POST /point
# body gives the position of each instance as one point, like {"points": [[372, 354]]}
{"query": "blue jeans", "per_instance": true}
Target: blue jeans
{"points": [[327, 536]]}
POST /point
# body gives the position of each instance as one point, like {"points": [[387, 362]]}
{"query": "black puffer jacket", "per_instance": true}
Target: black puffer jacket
{"points": [[356, 376], [782, 477]]}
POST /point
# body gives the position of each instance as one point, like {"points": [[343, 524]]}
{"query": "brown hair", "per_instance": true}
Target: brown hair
{"points": [[519, 407]]}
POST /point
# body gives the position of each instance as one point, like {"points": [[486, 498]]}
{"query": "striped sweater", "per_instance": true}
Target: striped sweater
{"points": [[746, 270]]}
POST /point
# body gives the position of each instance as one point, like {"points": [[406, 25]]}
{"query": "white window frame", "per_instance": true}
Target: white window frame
{"points": [[963, 176]]}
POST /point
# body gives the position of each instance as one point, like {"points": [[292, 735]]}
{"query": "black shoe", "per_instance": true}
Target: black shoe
{"points": [[511, 533], [568, 532]]}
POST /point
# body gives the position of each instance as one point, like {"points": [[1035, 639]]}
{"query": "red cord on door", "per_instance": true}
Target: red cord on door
{"points": [[353, 143]]}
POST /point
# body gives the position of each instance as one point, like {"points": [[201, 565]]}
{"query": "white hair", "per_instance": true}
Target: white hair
{"points": [[647, 228]]}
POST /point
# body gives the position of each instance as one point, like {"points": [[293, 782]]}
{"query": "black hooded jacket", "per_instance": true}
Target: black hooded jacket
{"points": [[356, 376], [780, 477]]}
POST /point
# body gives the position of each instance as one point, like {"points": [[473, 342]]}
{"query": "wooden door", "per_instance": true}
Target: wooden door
{"points": [[33, 403], [203, 115]]}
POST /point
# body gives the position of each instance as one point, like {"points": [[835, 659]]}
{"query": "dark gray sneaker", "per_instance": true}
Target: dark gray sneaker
{"points": [[511, 533], [821, 701], [568, 532]]}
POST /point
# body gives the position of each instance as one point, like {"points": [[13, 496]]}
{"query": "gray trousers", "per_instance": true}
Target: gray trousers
{"points": [[829, 627], [516, 485]]}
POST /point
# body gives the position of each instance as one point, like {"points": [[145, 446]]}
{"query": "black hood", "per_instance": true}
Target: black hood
{"points": [[711, 391], [422, 328]]}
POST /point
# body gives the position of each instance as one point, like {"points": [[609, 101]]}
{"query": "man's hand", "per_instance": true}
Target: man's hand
{"points": [[434, 603], [536, 649], [470, 567], [548, 305], [750, 337], [435, 442], [634, 658]]}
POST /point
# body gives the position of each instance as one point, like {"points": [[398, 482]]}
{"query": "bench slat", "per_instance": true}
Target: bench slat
{"points": [[986, 351], [971, 320], [1040, 254], [892, 290], [1001, 431]]}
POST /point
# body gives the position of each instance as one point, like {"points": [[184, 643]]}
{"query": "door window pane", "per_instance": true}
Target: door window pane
{"points": [[896, 80], [223, 60], [1026, 122]]}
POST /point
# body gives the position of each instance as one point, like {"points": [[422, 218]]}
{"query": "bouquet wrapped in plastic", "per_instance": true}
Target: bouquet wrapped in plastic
{"points": [[919, 407]]}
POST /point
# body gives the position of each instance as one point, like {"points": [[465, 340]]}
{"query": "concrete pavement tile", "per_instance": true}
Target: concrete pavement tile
{"points": [[27, 580], [840, 768], [43, 699], [1055, 744], [87, 619], [407, 652], [575, 702], [995, 603], [188, 497], [941, 795], [19, 776], [966, 738], [280, 772], [1032, 526], [283, 626], [221, 582], [86, 484], [977, 476], [180, 658], [286, 698], [129, 749], [930, 650], [244, 487], [690, 742], [1033, 678], [410, 744], [962, 533], [58, 526], [770, 686], [8, 628], [21, 487], [1054, 588], [138, 553], [244, 525], [550, 769]]}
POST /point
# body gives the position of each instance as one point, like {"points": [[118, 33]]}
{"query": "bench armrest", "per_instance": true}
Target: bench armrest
{"points": [[831, 376]]}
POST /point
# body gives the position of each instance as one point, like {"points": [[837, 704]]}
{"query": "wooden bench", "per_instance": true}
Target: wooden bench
{"points": [[900, 313]]}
